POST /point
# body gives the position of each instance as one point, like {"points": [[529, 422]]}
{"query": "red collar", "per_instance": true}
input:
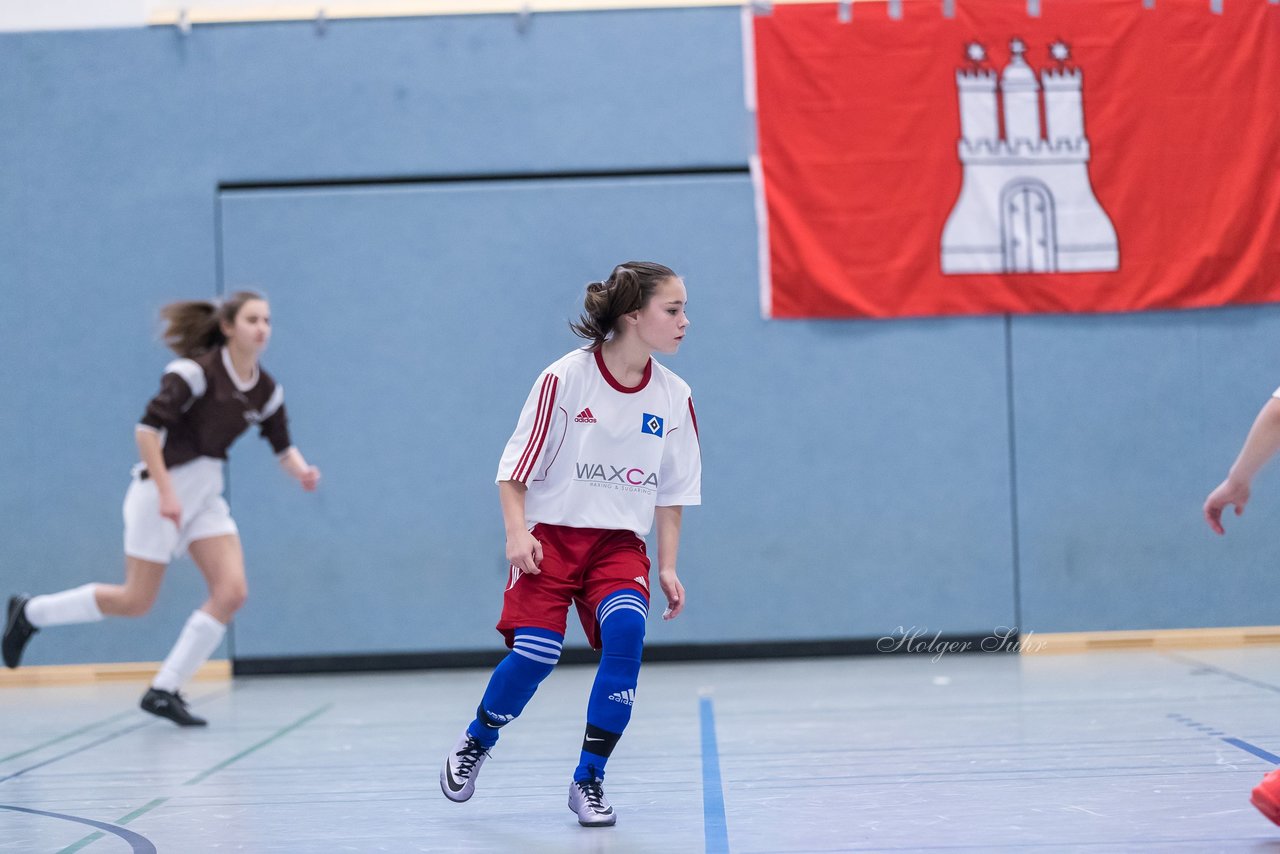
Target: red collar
{"points": [[609, 378]]}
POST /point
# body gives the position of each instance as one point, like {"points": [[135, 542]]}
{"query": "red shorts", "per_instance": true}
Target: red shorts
{"points": [[580, 566]]}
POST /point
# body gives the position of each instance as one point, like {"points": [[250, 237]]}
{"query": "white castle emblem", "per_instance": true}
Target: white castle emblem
{"points": [[1026, 205]]}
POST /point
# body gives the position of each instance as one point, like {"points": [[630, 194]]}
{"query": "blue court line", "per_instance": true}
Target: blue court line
{"points": [[307, 718], [139, 843], [1256, 843], [1231, 740], [109, 737], [94, 837], [1256, 751], [1257, 683], [715, 828], [65, 736]]}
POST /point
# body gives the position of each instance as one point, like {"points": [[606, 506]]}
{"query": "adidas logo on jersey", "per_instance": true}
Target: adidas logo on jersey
{"points": [[642, 581], [585, 417], [627, 697]]}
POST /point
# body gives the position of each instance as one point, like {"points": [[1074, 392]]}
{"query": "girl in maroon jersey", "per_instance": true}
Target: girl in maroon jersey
{"points": [[174, 505]]}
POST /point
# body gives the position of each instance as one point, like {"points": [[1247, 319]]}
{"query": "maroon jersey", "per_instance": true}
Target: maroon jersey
{"points": [[203, 407]]}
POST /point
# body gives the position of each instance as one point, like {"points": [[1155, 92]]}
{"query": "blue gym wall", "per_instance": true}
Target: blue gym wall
{"points": [[950, 475]]}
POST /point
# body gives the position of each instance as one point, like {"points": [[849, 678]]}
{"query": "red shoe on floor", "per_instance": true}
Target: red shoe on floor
{"points": [[1266, 796]]}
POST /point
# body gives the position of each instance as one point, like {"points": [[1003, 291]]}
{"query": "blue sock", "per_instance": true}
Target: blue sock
{"points": [[621, 616], [533, 655]]}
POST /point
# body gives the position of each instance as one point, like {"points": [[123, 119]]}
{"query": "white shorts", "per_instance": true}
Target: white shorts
{"points": [[198, 485]]}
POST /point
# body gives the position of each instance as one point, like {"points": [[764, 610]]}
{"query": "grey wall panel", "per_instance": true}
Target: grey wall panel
{"points": [[106, 212], [856, 474], [1124, 424], [475, 94]]}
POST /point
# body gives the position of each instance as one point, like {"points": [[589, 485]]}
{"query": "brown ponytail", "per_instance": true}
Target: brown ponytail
{"points": [[193, 327], [629, 288]]}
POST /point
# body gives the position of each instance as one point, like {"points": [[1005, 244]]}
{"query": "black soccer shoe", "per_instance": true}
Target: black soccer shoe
{"points": [[17, 630], [171, 705]]}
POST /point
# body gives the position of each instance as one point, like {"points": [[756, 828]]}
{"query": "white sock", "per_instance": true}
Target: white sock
{"points": [[200, 637], [76, 605]]}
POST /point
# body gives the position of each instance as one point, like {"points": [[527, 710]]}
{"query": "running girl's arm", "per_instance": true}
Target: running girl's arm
{"points": [[523, 549], [275, 429], [1259, 446], [296, 466], [667, 521], [152, 454], [182, 382]]}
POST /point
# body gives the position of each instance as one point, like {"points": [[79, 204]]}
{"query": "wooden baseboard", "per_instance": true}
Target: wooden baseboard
{"points": [[1032, 643], [1159, 639], [79, 674]]}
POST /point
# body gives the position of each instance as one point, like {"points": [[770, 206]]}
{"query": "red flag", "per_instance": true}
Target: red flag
{"points": [[1101, 157]]}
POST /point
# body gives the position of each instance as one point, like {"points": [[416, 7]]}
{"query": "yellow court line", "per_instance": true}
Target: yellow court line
{"points": [[78, 674], [1035, 643]]}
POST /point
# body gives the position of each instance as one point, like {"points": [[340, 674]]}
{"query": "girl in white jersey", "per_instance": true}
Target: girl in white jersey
{"points": [[174, 505], [1259, 446], [607, 444]]}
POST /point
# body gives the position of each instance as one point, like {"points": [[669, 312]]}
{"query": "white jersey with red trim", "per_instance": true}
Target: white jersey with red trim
{"points": [[597, 454]]}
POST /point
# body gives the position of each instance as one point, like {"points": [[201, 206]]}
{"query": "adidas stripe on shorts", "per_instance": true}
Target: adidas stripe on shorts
{"points": [[580, 566]]}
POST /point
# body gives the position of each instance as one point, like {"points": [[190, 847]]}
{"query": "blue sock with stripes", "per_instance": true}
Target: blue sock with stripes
{"points": [[621, 616], [533, 655]]}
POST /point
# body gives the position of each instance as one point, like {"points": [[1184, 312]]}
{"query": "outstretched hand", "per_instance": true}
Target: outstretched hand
{"points": [[1228, 493]]}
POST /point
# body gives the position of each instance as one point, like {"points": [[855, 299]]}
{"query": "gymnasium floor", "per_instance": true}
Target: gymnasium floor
{"points": [[1140, 751]]}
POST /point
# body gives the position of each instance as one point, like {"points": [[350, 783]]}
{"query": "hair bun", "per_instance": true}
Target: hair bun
{"points": [[627, 289]]}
